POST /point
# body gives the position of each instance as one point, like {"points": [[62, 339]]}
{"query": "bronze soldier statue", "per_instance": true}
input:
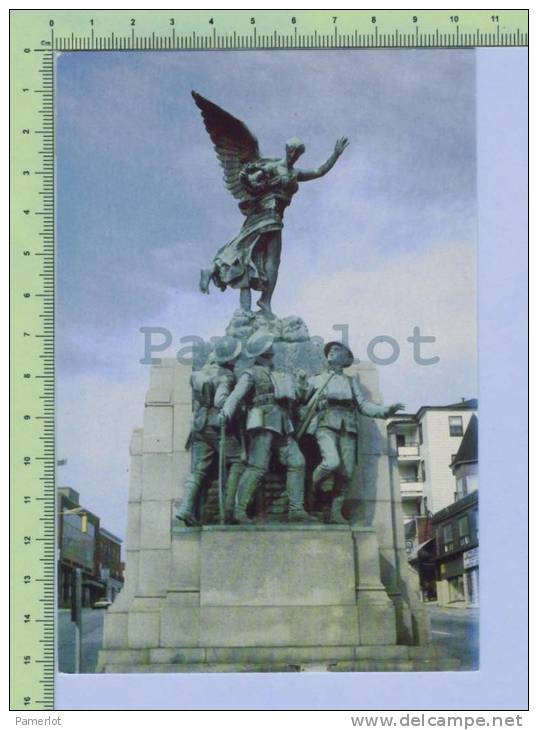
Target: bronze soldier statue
{"points": [[264, 188], [336, 401], [269, 396], [210, 387]]}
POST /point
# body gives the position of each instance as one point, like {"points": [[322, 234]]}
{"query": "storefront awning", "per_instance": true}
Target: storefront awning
{"points": [[415, 554]]}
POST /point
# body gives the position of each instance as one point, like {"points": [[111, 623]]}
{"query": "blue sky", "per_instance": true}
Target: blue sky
{"points": [[386, 241]]}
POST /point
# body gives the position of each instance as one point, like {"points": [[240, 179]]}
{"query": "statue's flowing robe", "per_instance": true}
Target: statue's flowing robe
{"points": [[241, 262]]}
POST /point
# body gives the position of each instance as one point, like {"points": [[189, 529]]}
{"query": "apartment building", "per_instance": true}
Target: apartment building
{"points": [[427, 443]]}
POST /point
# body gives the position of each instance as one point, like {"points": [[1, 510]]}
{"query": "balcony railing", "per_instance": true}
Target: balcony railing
{"points": [[411, 487], [409, 450]]}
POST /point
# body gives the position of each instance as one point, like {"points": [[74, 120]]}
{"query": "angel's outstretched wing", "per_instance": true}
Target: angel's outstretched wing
{"points": [[234, 143]]}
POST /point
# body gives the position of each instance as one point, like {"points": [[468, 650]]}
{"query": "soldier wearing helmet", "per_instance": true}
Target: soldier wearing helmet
{"points": [[268, 395], [210, 387], [335, 423]]}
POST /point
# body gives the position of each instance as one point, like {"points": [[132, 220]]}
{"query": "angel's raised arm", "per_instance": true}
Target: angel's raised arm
{"points": [[305, 175]]}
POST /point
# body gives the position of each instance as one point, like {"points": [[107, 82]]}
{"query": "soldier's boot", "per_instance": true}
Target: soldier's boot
{"points": [[232, 483], [337, 518], [295, 490], [187, 509], [250, 480]]}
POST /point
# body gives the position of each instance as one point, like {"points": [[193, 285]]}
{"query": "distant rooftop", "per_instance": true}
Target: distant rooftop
{"points": [[459, 506], [110, 536], [470, 404], [465, 404], [71, 494]]}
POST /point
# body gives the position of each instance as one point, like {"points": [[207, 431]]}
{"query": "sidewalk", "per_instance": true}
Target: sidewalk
{"points": [[454, 630], [92, 633]]}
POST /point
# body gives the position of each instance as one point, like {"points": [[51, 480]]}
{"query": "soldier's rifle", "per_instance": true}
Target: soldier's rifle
{"points": [[312, 405]]}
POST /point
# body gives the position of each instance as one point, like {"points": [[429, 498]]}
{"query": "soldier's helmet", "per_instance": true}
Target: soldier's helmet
{"points": [[227, 349], [258, 343], [350, 356]]}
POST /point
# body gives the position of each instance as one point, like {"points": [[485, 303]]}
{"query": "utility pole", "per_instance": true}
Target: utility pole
{"points": [[76, 589], [76, 617]]}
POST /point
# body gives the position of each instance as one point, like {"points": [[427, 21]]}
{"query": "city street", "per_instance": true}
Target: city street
{"points": [[92, 633], [454, 630]]}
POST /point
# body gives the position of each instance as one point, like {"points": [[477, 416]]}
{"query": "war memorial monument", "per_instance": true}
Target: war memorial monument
{"points": [[265, 528]]}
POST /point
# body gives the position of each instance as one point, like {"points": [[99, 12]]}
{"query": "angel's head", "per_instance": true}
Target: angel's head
{"points": [[294, 149]]}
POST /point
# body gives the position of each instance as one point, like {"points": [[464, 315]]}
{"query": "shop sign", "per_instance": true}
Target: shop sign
{"points": [[470, 558]]}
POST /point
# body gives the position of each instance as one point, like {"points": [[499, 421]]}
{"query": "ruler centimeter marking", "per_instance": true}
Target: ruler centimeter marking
{"points": [[36, 36], [32, 465], [372, 37]]}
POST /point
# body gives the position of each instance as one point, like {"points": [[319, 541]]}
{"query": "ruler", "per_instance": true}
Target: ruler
{"points": [[36, 37], [32, 493]]}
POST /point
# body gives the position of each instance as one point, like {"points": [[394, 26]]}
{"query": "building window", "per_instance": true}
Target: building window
{"points": [[463, 530], [456, 591], [461, 487], [420, 439], [455, 425], [400, 439], [423, 471], [448, 538]]}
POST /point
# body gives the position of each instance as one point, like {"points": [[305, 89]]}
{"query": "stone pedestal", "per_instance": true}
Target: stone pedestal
{"points": [[264, 597], [276, 586]]}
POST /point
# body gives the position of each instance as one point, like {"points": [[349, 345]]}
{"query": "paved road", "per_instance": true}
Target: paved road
{"points": [[455, 630], [92, 632]]}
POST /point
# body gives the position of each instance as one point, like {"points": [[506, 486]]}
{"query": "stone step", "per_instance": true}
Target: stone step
{"points": [[286, 654], [124, 656], [359, 665], [338, 656]]}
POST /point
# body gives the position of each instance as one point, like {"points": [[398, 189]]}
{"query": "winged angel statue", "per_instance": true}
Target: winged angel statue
{"points": [[264, 188]]}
